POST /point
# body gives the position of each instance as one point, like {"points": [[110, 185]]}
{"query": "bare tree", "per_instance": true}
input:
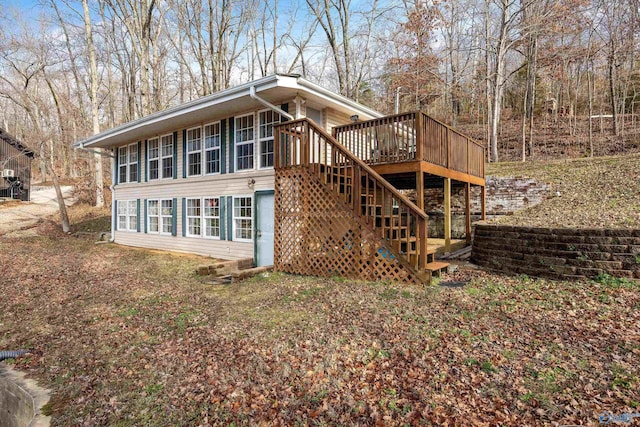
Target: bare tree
{"points": [[93, 95]]}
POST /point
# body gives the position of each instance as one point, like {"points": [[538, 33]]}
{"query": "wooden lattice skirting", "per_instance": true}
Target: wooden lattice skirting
{"points": [[317, 234]]}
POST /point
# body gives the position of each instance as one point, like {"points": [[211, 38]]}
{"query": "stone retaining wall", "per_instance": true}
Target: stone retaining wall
{"points": [[560, 253], [504, 196]]}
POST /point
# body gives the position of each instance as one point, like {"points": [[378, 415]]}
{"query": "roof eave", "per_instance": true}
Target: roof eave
{"points": [[277, 80]]}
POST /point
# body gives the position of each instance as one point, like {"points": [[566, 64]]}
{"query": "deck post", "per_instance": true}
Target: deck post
{"points": [[422, 244], [467, 213], [483, 202], [420, 189], [447, 214], [419, 137]]}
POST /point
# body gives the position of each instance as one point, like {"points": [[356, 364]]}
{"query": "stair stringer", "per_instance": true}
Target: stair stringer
{"points": [[317, 233]]}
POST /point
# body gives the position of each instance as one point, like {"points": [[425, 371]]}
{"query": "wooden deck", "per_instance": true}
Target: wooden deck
{"points": [[337, 214], [414, 142]]}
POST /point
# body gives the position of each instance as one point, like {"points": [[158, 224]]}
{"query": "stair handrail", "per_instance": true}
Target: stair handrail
{"points": [[335, 144]]}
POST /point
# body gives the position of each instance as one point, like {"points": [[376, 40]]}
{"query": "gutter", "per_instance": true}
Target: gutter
{"points": [[252, 94], [158, 116]]}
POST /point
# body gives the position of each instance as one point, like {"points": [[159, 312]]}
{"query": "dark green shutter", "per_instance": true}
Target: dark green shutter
{"points": [[174, 217], [223, 146], [232, 143], [184, 153], [117, 177], [230, 218], [223, 222], [146, 161], [138, 215], [139, 161], [184, 216], [145, 215], [175, 157]]}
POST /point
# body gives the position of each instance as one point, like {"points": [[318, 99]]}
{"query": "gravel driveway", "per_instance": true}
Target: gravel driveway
{"points": [[27, 214]]}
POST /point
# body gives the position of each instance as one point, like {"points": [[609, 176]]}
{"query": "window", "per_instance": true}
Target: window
{"points": [[133, 163], [211, 217], [194, 153], [203, 217], [167, 155], [154, 158], [127, 215], [244, 142], [160, 216], [128, 163], [242, 218], [267, 119], [212, 147], [193, 217], [160, 157]]}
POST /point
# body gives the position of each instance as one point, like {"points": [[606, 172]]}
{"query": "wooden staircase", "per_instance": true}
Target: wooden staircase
{"points": [[371, 230]]}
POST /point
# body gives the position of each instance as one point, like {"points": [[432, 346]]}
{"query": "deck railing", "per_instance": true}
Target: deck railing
{"points": [[388, 212], [412, 136]]}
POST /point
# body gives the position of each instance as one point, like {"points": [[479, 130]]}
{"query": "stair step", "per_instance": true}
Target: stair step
{"points": [[437, 267]]}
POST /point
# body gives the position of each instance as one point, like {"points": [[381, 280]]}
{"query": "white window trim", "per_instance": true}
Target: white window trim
{"points": [[160, 217], [203, 224], [233, 218], [187, 216], [169, 156], [128, 215], [205, 149], [127, 164], [260, 140], [203, 218], [236, 143], [186, 145], [149, 159]]}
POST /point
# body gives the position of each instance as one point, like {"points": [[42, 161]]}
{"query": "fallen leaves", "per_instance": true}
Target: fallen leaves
{"points": [[129, 337], [586, 193]]}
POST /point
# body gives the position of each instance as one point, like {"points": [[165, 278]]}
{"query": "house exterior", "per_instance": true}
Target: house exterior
{"points": [[199, 177], [15, 168]]}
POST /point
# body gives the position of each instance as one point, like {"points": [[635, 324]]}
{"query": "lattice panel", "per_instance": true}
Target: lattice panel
{"points": [[317, 234]]}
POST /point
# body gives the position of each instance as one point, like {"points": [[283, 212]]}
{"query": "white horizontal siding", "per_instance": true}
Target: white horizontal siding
{"points": [[243, 183], [210, 185], [335, 118], [222, 249]]}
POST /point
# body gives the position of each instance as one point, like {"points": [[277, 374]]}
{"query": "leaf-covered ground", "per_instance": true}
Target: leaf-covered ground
{"points": [[586, 193], [126, 337]]}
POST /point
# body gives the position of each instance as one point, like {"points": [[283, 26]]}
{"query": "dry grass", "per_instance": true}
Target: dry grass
{"points": [[587, 193], [129, 337]]}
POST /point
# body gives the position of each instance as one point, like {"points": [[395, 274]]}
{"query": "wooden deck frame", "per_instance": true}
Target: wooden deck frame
{"points": [[421, 145], [368, 229]]}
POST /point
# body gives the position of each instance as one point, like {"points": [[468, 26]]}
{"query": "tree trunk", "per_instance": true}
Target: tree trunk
{"points": [[93, 75], [64, 217]]}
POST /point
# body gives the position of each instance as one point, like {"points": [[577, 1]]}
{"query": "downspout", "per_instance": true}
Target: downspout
{"points": [[114, 174], [252, 94]]}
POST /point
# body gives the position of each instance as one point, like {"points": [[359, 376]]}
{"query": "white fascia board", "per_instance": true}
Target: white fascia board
{"points": [[184, 110], [181, 110]]}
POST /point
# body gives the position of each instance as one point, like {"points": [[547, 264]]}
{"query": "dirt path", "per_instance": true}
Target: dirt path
{"points": [[26, 215]]}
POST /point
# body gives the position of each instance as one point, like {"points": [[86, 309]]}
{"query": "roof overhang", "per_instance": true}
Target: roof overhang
{"points": [[16, 144], [276, 89]]}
